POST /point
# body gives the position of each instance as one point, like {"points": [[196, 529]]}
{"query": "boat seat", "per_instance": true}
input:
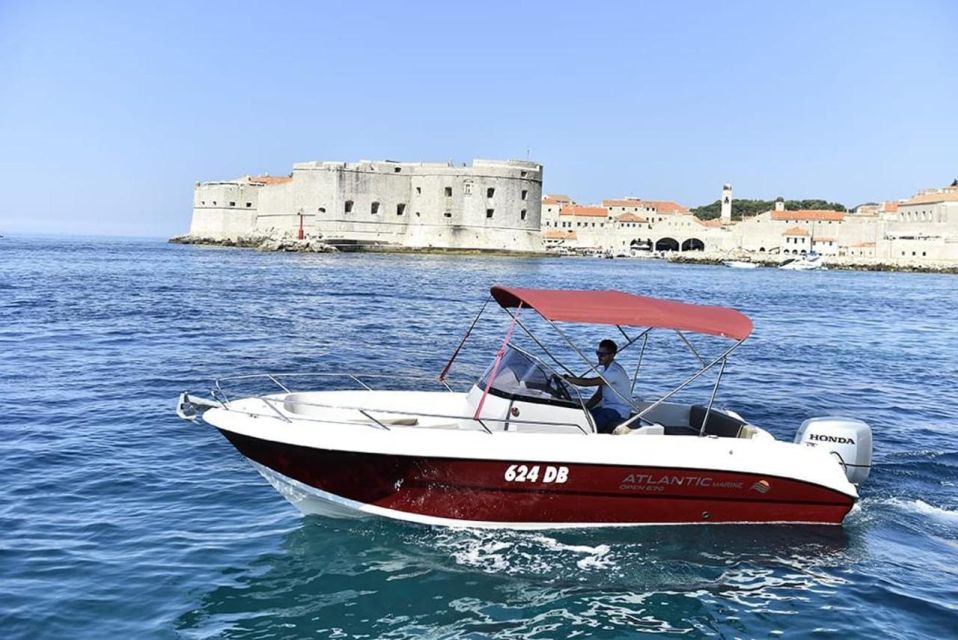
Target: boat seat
{"points": [[647, 430], [718, 424], [681, 430]]}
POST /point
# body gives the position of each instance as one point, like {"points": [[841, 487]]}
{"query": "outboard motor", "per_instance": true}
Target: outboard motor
{"points": [[848, 439]]}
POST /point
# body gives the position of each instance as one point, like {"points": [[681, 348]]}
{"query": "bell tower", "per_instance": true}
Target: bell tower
{"points": [[726, 203]]}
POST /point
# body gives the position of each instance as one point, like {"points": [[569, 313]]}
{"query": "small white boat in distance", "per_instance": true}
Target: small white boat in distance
{"points": [[741, 264], [810, 262], [520, 449]]}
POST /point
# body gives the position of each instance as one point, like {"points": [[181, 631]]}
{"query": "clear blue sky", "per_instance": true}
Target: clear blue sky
{"points": [[110, 111]]}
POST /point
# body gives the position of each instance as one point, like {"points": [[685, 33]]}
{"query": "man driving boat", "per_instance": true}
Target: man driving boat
{"points": [[608, 405]]}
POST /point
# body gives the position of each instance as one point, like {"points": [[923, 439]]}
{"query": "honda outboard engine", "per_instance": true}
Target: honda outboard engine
{"points": [[849, 440]]}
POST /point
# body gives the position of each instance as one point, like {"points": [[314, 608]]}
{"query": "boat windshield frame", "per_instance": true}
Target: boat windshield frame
{"points": [[524, 376]]}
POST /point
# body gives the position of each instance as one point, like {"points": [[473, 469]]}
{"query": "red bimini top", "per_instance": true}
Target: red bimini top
{"points": [[626, 309]]}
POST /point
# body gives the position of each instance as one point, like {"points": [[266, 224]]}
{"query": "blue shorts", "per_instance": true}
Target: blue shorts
{"points": [[606, 419]]}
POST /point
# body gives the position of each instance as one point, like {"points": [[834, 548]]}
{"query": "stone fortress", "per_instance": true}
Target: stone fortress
{"points": [[498, 205], [492, 205]]}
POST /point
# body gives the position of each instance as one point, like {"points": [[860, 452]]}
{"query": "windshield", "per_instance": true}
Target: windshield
{"points": [[522, 375]]}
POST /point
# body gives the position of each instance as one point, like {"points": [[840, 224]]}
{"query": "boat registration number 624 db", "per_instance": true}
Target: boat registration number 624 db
{"points": [[536, 473]]}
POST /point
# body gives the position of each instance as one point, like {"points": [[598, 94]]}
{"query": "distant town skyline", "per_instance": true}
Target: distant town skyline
{"points": [[112, 111]]}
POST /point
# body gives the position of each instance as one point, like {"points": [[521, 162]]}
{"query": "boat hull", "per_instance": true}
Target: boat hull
{"points": [[531, 495]]}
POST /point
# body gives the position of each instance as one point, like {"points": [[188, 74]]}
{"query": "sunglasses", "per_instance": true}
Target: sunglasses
{"points": [[602, 353]]}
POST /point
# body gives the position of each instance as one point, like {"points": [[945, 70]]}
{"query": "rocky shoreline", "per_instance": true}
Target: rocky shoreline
{"points": [[309, 244], [316, 244]]}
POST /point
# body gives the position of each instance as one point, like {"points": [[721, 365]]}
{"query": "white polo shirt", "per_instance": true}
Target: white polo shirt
{"points": [[622, 384]]}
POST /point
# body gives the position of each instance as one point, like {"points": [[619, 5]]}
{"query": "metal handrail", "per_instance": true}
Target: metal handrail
{"points": [[355, 377], [365, 411], [269, 403], [219, 393], [321, 374], [281, 385]]}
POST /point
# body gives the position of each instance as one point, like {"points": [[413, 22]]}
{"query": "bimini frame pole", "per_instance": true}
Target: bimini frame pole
{"points": [[631, 341], [536, 340], [445, 370], [695, 376], [708, 409], [691, 347], [495, 365], [638, 365], [628, 343]]}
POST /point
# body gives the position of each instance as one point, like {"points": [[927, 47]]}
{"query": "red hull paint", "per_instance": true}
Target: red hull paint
{"points": [[464, 489]]}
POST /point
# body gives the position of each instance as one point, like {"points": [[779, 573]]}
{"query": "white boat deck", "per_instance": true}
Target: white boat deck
{"points": [[451, 411]]}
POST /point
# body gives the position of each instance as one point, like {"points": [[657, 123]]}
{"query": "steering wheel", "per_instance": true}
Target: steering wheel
{"points": [[557, 387]]}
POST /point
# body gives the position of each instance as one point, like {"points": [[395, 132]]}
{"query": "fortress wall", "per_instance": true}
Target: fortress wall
{"points": [[389, 202], [721, 239], [273, 215], [759, 232], [221, 224], [945, 211], [949, 214], [378, 191], [491, 205], [918, 229], [855, 231], [322, 190], [911, 252], [224, 209]]}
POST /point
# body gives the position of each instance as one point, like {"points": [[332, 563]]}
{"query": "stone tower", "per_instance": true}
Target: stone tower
{"points": [[726, 203], [780, 203]]}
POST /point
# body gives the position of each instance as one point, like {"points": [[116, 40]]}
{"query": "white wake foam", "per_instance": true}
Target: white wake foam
{"points": [[520, 552], [923, 508]]}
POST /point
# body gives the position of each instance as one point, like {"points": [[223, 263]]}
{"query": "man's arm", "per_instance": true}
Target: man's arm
{"points": [[584, 382], [588, 382]]}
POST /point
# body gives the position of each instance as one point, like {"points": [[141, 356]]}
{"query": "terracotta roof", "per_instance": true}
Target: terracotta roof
{"points": [[270, 179], [631, 217], [809, 215], [591, 212], [931, 196], [559, 234], [713, 223], [666, 206], [874, 208], [862, 244], [556, 199], [823, 239], [795, 231], [624, 202]]}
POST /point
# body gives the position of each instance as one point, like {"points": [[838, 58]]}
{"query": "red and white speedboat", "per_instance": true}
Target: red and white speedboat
{"points": [[519, 449]]}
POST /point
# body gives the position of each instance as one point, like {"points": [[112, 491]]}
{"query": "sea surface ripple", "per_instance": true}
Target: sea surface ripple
{"points": [[117, 519]]}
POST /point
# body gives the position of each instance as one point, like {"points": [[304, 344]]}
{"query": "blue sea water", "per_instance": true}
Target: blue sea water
{"points": [[119, 520]]}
